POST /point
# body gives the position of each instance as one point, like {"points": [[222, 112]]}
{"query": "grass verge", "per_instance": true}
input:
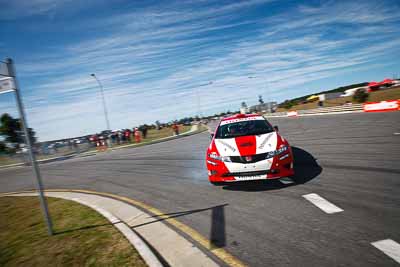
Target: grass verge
{"points": [[83, 237]]}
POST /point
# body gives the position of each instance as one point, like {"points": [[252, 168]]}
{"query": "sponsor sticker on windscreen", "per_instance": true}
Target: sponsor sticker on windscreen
{"points": [[242, 119]]}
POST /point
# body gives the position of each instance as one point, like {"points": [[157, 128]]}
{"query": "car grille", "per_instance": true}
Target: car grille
{"points": [[254, 158]]}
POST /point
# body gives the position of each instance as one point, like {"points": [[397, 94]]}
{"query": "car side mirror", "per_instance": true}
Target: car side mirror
{"points": [[276, 128], [211, 136]]}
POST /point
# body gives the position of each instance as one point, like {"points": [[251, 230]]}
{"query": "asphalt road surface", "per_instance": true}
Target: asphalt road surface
{"points": [[351, 160]]}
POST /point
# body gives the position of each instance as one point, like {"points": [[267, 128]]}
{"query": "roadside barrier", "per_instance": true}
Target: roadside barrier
{"points": [[292, 114], [391, 105], [343, 108]]}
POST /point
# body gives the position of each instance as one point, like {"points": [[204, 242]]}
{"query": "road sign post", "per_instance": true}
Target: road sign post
{"points": [[11, 73]]}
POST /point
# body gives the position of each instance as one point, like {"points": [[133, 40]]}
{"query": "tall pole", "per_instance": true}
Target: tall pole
{"points": [[24, 124], [104, 101]]}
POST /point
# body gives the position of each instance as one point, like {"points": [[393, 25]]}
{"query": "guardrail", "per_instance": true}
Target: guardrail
{"points": [[323, 110]]}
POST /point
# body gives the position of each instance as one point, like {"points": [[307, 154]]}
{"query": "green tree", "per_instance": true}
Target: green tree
{"points": [[11, 130], [360, 96]]}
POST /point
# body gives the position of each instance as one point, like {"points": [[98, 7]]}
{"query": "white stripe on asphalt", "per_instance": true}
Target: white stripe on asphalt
{"points": [[389, 247], [396, 133], [322, 203]]}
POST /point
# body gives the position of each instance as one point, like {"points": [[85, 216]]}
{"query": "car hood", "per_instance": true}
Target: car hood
{"points": [[246, 145]]}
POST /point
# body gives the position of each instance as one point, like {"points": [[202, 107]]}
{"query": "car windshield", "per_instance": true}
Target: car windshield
{"points": [[242, 128]]}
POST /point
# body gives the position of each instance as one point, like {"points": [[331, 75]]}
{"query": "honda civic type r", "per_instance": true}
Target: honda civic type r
{"points": [[246, 147]]}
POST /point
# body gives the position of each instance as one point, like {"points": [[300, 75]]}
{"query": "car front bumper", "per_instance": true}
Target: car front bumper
{"points": [[275, 168]]}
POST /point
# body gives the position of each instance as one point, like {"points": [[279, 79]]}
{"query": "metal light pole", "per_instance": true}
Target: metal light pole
{"points": [[12, 74], [104, 101]]}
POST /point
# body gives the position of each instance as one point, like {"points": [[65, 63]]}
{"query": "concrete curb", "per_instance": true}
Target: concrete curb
{"points": [[141, 247], [11, 165], [157, 237]]}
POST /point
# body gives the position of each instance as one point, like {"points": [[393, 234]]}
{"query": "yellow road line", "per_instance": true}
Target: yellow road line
{"points": [[221, 253]]}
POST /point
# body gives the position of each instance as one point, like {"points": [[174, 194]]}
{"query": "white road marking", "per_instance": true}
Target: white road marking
{"points": [[389, 247], [396, 133], [322, 203]]}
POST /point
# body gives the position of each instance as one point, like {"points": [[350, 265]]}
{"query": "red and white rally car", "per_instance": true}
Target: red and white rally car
{"points": [[247, 147]]}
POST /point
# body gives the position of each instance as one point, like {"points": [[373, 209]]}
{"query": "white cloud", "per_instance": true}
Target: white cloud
{"points": [[151, 61]]}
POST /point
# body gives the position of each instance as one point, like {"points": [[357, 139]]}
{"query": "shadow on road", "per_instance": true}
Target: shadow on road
{"points": [[166, 216], [306, 168], [217, 232]]}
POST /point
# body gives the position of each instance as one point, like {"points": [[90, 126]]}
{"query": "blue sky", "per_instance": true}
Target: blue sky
{"points": [[154, 57]]}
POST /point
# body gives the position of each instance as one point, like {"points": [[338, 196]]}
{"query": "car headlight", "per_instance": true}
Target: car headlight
{"points": [[281, 150], [216, 157], [270, 154], [274, 153], [226, 159]]}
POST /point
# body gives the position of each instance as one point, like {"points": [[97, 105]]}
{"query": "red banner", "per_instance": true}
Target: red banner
{"points": [[391, 105]]}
